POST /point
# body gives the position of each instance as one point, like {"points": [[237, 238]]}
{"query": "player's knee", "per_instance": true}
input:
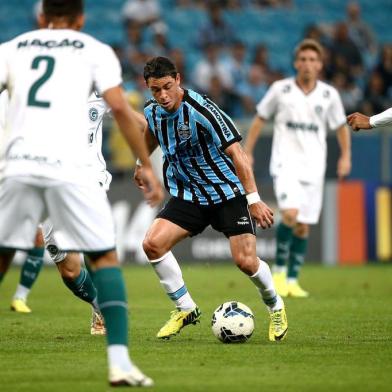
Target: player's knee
{"points": [[301, 230], [68, 272], [151, 248], [246, 263], [289, 218]]}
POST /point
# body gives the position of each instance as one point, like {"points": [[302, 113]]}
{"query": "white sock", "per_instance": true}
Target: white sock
{"points": [[21, 292], [118, 357], [278, 305], [263, 281], [170, 276]]}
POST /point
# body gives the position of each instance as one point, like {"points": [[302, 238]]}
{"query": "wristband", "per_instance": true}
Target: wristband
{"points": [[253, 198], [138, 162]]}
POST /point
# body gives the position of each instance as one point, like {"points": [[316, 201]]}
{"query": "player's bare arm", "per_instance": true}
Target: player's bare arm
{"points": [[259, 210], [152, 144], [252, 136], [358, 121], [344, 162], [129, 124]]}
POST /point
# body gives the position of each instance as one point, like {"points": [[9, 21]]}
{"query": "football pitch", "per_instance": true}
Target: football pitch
{"points": [[339, 339]]}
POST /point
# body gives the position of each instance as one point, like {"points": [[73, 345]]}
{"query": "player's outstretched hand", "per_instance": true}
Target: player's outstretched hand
{"points": [[263, 215], [150, 185], [358, 121]]}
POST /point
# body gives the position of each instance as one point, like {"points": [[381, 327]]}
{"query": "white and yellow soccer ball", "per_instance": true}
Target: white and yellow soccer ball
{"points": [[232, 322]]}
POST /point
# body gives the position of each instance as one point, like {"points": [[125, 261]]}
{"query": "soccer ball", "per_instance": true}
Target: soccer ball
{"points": [[232, 322]]}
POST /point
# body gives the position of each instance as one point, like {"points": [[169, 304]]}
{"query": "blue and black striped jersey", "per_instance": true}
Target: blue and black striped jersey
{"points": [[193, 140]]}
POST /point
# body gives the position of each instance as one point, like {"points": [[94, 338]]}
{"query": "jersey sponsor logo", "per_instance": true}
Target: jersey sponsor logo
{"points": [[76, 44], [183, 131], [42, 160], [183, 152], [220, 120], [294, 126], [93, 114]]}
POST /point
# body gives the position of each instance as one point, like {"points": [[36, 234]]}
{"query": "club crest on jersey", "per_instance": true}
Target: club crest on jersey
{"points": [[318, 109], [183, 131], [93, 114]]}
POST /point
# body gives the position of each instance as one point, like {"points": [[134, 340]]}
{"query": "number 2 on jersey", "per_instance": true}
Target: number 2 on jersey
{"points": [[32, 100]]}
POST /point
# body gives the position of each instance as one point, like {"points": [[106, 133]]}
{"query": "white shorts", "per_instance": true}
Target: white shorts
{"points": [[292, 193], [80, 214]]}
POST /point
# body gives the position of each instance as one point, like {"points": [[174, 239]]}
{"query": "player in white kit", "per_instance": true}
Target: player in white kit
{"points": [[75, 277], [45, 163], [33, 263], [303, 109]]}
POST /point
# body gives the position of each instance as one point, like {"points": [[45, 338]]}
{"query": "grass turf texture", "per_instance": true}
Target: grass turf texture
{"points": [[339, 339]]}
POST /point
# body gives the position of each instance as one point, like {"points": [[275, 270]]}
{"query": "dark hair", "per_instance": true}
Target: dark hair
{"points": [[62, 8], [159, 67]]}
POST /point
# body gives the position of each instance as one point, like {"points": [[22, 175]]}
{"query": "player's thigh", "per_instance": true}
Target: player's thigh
{"points": [[288, 192], [310, 208], [21, 208], [163, 235], [81, 217]]}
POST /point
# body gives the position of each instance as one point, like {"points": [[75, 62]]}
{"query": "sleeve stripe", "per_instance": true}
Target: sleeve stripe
{"points": [[228, 120]]}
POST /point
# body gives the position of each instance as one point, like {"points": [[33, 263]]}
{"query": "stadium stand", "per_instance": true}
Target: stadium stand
{"points": [[278, 28]]}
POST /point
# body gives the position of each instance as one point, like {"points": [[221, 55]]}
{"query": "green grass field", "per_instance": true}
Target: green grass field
{"points": [[340, 339]]}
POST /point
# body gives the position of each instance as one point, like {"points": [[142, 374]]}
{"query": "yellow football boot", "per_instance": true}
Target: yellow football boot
{"points": [[19, 305], [296, 291], [280, 282], [278, 325], [178, 320]]}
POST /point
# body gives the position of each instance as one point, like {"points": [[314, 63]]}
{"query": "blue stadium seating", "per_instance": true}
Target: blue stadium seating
{"points": [[278, 29]]}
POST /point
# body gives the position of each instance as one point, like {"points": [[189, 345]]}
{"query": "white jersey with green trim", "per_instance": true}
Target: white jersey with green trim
{"points": [[49, 75], [97, 108], [301, 122]]}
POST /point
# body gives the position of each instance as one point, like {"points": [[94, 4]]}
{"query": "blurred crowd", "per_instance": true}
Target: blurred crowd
{"points": [[237, 76]]}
